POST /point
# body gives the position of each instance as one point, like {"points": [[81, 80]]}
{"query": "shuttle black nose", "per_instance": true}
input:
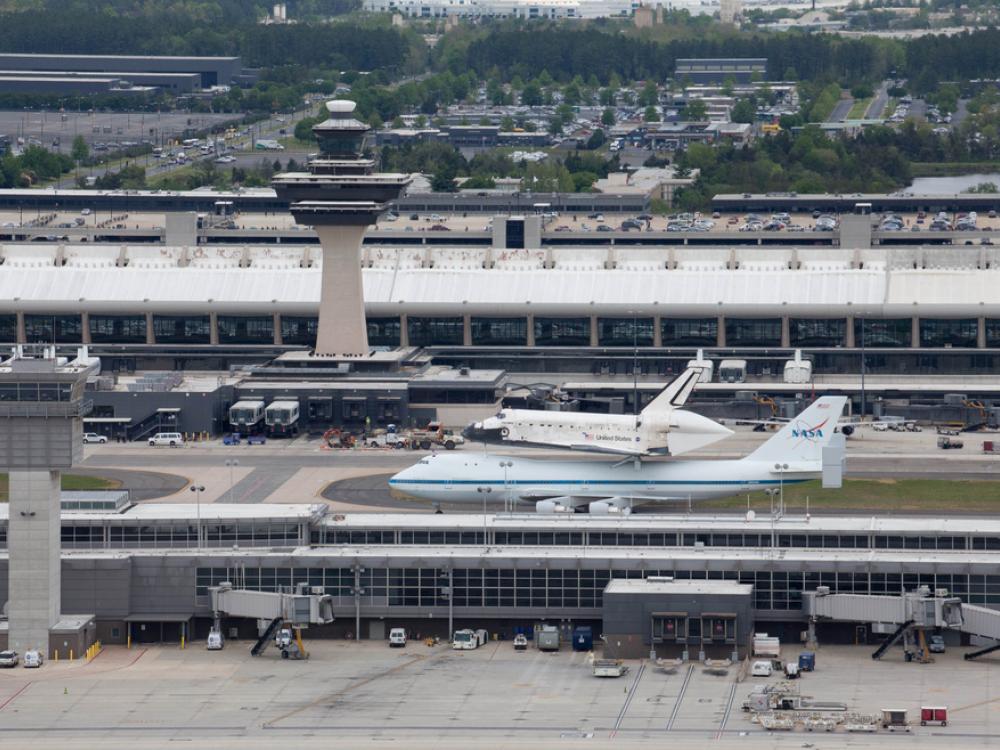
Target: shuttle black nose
{"points": [[475, 433]]}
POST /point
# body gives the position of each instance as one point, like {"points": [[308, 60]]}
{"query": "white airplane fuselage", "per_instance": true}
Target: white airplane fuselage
{"points": [[465, 477]]}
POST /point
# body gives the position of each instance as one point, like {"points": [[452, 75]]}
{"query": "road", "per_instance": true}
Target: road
{"points": [[840, 112], [876, 109]]}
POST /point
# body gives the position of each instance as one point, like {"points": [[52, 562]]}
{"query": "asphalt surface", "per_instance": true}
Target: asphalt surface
{"points": [[142, 485], [841, 111], [876, 108]]}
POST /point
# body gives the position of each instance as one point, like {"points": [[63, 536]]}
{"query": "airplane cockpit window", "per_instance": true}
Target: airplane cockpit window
{"points": [[501, 415], [425, 461]]}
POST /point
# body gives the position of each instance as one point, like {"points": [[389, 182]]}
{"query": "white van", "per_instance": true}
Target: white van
{"points": [[32, 659], [215, 641], [173, 439], [397, 638], [761, 669]]}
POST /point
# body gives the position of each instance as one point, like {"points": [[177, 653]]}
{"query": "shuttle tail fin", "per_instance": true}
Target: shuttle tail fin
{"points": [[805, 436], [676, 393]]}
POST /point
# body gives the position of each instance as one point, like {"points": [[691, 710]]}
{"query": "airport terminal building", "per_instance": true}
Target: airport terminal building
{"points": [[145, 571]]}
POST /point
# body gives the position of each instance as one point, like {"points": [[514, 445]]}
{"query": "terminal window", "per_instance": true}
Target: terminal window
{"points": [[118, 329], [8, 329], [562, 331], [48, 329], [515, 233], [181, 329], [753, 331], [817, 331], [689, 331], [625, 331], [239, 329], [299, 330], [883, 332], [937, 332], [435, 331], [383, 331], [500, 331]]}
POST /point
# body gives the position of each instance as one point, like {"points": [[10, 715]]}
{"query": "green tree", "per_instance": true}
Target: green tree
{"points": [[651, 115], [79, 150], [507, 124], [695, 111], [531, 95], [608, 117]]}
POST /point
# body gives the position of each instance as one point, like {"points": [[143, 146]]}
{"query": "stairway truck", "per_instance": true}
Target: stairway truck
{"points": [[282, 418], [247, 416]]}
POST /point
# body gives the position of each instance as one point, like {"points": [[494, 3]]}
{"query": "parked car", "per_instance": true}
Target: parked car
{"points": [[32, 659], [935, 644], [93, 437], [9, 659], [520, 642], [173, 439]]}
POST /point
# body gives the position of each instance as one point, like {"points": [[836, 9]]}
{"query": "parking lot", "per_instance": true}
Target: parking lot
{"points": [[46, 128], [363, 693]]}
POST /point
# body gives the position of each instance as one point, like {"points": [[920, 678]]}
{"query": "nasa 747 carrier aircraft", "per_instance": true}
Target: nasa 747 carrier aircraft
{"points": [[793, 455], [662, 427]]}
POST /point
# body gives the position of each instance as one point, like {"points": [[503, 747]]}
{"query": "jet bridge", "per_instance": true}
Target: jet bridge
{"points": [[298, 609], [913, 612], [274, 610]]}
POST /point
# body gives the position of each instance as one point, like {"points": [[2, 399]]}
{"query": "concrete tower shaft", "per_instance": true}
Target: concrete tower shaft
{"points": [[340, 196]]}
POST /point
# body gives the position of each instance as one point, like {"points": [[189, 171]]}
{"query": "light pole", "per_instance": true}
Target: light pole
{"points": [[197, 489], [484, 491], [506, 487], [771, 492], [232, 463], [863, 365], [781, 469]]}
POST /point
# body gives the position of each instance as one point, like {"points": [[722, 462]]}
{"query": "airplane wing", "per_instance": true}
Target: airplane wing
{"points": [[590, 448]]}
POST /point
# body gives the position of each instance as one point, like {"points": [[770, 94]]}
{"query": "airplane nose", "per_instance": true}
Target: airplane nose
{"points": [[477, 433]]}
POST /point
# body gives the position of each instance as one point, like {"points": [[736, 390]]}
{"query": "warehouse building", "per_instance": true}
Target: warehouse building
{"points": [[213, 71]]}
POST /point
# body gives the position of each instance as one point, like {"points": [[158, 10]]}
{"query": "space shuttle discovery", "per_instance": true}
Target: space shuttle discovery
{"points": [[662, 428], [793, 455]]}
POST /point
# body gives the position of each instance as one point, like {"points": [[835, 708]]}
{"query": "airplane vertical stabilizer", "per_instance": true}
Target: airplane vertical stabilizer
{"points": [[677, 392], [805, 436]]}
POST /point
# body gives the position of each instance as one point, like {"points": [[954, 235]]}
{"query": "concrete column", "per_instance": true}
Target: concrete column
{"points": [[786, 331], [849, 333], [21, 336], [213, 328], [981, 333], [33, 541], [150, 335], [720, 335], [85, 327], [915, 332], [277, 330], [531, 329], [657, 332], [466, 330], [594, 341], [404, 330], [342, 329]]}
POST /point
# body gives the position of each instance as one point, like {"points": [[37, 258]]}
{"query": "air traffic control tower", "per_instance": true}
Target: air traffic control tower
{"points": [[42, 407], [340, 196]]}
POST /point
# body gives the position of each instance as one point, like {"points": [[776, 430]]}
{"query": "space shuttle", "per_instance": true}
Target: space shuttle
{"points": [[795, 454], [662, 428]]}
